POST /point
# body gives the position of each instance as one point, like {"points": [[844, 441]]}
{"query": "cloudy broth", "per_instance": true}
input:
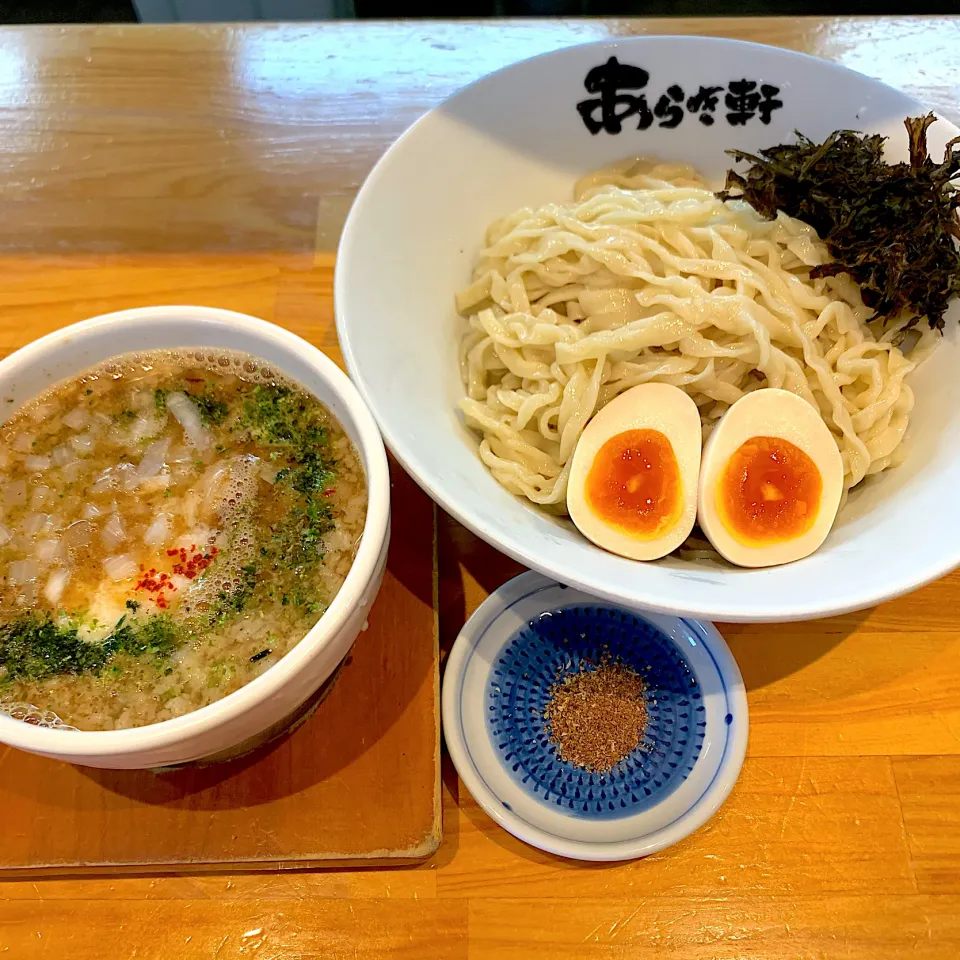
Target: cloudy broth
{"points": [[171, 524]]}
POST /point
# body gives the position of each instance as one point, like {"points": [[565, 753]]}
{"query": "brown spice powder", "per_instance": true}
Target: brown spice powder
{"points": [[597, 716]]}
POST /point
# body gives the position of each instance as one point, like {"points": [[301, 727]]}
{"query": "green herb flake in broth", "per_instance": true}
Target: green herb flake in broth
{"points": [[158, 636], [212, 410], [36, 648], [280, 417], [235, 601], [219, 673]]}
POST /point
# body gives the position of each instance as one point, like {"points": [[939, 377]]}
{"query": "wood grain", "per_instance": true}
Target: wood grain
{"points": [[408, 883], [208, 165], [721, 928], [308, 929], [229, 137], [792, 827], [929, 789], [358, 781]]}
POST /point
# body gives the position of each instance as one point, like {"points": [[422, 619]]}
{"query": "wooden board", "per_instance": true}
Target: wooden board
{"points": [[359, 780], [189, 165]]}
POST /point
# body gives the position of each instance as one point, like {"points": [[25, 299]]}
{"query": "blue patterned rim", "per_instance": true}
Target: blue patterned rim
{"points": [[534, 631]]}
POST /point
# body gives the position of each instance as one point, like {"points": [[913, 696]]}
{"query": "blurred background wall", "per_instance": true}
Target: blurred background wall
{"points": [[171, 11]]}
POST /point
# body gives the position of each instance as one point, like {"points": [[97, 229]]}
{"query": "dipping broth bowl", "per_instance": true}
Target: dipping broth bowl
{"points": [[261, 707]]}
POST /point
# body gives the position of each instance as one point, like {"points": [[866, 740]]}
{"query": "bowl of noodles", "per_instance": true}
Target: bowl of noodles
{"points": [[556, 235]]}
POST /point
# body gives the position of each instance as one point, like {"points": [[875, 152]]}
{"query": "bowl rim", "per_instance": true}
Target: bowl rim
{"points": [[866, 594], [691, 820], [117, 743]]}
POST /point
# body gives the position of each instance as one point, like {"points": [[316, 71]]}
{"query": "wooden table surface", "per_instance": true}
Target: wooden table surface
{"points": [[209, 164]]}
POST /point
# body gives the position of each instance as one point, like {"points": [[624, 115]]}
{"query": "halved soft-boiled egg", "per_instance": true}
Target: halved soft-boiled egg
{"points": [[633, 480], [771, 480]]}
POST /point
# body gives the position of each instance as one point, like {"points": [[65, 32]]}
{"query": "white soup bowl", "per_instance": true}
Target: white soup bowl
{"points": [[262, 705]]}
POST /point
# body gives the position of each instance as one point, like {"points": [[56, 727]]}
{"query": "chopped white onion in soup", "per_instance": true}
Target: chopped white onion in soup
{"points": [[40, 495], [33, 523], [143, 399], [183, 584], [90, 511], [83, 443], [269, 473], [23, 442], [158, 531], [178, 706], [62, 455], [113, 533], [157, 483], [122, 567], [37, 463], [180, 453], [188, 416], [191, 503], [47, 550], [27, 594], [196, 537], [154, 458], [126, 474], [77, 418], [15, 493], [55, 586], [213, 479], [142, 428], [79, 534], [104, 482], [5, 535], [72, 471], [43, 412], [23, 571]]}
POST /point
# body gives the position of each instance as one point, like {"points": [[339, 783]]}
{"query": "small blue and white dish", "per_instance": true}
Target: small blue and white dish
{"points": [[497, 683]]}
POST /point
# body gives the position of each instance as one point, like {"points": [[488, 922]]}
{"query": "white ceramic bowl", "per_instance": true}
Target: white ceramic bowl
{"points": [[265, 702], [514, 139]]}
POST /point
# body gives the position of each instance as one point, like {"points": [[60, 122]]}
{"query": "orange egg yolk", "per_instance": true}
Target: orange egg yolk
{"points": [[634, 484], [769, 491]]}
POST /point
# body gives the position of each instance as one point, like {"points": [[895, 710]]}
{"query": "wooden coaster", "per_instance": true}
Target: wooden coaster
{"points": [[358, 780]]}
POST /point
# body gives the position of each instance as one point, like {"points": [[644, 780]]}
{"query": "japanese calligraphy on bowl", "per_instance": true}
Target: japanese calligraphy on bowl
{"points": [[621, 95], [524, 137]]}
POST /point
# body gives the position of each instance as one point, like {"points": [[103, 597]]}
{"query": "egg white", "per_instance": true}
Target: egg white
{"points": [[769, 413], [649, 406]]}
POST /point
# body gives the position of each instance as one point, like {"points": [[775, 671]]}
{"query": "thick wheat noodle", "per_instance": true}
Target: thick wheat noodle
{"points": [[648, 276]]}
